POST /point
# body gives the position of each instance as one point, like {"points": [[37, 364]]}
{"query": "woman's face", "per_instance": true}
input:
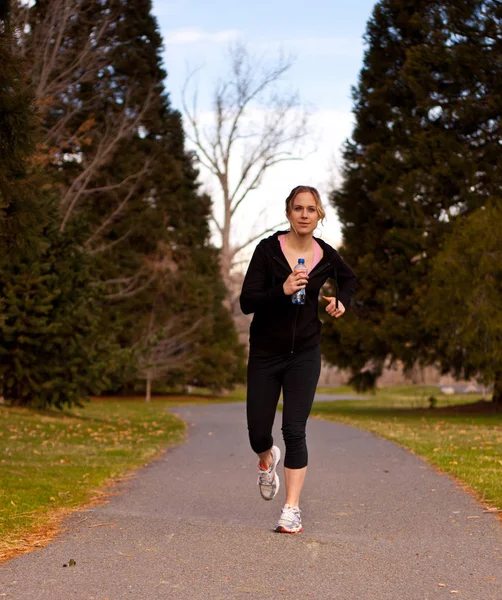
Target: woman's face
{"points": [[303, 214]]}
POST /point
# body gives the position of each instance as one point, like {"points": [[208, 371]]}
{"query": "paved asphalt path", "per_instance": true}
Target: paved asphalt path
{"points": [[378, 524]]}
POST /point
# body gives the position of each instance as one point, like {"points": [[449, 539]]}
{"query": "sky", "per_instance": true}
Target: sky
{"points": [[325, 39]]}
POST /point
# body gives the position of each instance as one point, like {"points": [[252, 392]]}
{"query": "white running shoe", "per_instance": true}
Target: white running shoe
{"points": [[268, 480], [290, 521]]}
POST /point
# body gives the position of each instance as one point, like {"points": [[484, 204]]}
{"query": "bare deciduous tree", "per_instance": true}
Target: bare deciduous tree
{"points": [[60, 62], [253, 127], [164, 349]]}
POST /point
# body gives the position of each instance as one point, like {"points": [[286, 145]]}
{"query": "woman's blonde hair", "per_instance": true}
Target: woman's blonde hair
{"points": [[305, 188]]}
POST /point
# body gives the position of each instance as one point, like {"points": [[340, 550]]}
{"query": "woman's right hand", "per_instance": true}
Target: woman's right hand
{"points": [[296, 281]]}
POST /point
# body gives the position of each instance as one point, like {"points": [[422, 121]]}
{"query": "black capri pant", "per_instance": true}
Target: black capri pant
{"points": [[297, 375]]}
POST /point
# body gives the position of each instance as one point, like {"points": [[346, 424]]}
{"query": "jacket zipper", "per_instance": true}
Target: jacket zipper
{"points": [[326, 266], [283, 263], [288, 268], [286, 265]]}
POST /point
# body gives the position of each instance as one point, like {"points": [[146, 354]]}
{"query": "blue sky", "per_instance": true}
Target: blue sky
{"points": [[325, 39]]}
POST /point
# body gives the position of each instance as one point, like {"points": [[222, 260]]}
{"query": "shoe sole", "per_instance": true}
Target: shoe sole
{"points": [[277, 479], [282, 529], [276, 489]]}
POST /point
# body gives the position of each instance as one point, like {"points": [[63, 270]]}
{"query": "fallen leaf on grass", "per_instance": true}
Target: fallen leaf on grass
{"points": [[441, 584]]}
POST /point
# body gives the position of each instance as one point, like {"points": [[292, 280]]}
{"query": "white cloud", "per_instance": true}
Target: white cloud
{"points": [[196, 34]]}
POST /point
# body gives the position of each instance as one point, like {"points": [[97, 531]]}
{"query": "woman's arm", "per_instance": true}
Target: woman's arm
{"points": [[254, 294], [345, 279]]}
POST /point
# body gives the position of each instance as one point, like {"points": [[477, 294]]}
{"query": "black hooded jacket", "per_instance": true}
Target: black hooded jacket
{"points": [[279, 326]]}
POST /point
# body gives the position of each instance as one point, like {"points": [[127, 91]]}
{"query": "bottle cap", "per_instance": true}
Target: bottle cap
{"points": [[301, 261]]}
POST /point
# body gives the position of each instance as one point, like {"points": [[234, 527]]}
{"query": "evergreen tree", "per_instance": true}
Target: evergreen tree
{"points": [[51, 350], [425, 151], [464, 301], [20, 212], [4, 12]]}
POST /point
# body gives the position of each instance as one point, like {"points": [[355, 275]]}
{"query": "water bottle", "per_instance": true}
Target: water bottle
{"points": [[299, 296]]}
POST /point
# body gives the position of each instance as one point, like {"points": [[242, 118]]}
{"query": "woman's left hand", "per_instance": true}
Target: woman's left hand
{"points": [[331, 309]]}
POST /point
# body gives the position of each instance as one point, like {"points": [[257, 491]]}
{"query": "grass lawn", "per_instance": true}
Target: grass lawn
{"points": [[461, 435], [53, 461]]}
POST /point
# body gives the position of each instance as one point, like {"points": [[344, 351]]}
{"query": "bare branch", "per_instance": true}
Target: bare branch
{"points": [[167, 347], [256, 181], [236, 249], [245, 81], [120, 184], [218, 226], [250, 88], [117, 129], [117, 280], [130, 290], [105, 247], [113, 216], [191, 116], [55, 67]]}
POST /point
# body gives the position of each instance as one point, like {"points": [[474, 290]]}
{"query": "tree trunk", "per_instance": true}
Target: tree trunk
{"points": [[497, 390], [148, 388]]}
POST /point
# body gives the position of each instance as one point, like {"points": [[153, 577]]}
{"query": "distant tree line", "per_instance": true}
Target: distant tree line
{"points": [[108, 280], [421, 199]]}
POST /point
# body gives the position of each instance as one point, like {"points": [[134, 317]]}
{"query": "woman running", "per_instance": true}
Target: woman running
{"points": [[284, 341]]}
